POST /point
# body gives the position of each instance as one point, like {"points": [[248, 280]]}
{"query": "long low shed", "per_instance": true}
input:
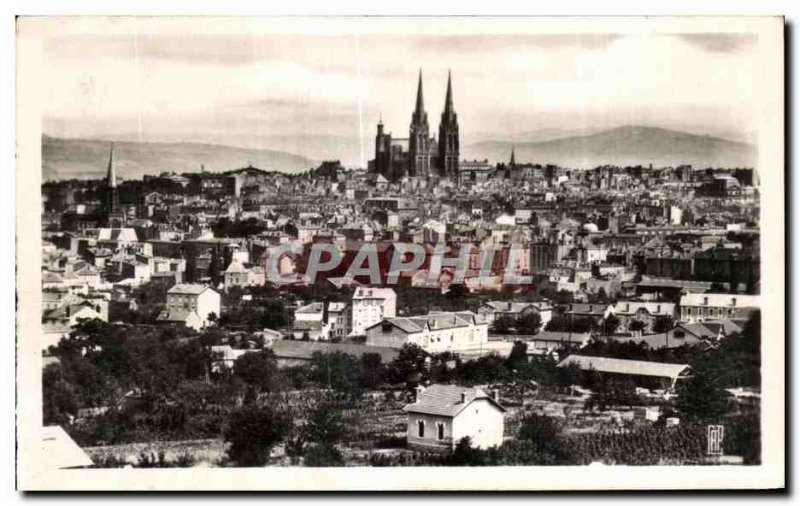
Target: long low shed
{"points": [[640, 368]]}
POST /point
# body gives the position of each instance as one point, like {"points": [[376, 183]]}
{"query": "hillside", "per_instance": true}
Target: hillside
{"points": [[87, 159], [627, 145]]}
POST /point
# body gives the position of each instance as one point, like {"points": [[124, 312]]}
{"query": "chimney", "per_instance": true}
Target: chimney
{"points": [[496, 395], [325, 304], [463, 397], [419, 391]]}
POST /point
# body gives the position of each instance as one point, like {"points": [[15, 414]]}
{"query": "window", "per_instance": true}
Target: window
{"points": [[440, 431], [420, 428]]}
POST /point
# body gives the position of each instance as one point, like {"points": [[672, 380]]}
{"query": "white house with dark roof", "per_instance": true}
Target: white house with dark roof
{"points": [[436, 332], [646, 312], [444, 414], [190, 304], [698, 307], [494, 309]]}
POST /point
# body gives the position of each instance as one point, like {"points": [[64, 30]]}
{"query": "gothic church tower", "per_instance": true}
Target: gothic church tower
{"points": [[448, 136], [419, 138]]}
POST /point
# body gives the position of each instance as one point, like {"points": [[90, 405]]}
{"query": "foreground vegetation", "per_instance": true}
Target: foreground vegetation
{"points": [[121, 384]]}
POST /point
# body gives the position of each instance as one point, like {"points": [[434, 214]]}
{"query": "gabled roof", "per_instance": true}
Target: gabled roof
{"points": [[235, 267], [305, 350], [445, 400], [188, 289], [630, 307], [622, 366], [566, 337], [590, 309]]}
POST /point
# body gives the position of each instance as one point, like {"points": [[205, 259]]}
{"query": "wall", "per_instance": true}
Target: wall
{"points": [[430, 440], [482, 421]]}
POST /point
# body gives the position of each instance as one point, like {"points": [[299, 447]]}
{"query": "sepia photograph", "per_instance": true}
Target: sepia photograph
{"points": [[394, 253]]}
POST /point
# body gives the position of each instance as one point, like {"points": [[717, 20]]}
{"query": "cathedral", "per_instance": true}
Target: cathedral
{"points": [[420, 155]]}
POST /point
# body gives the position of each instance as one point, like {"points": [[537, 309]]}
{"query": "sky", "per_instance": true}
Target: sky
{"points": [[252, 89]]}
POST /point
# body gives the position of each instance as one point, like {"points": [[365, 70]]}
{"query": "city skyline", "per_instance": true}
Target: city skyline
{"points": [[256, 91]]}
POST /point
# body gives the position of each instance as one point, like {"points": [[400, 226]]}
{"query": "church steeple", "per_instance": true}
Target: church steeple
{"points": [[420, 109], [113, 211], [448, 135], [419, 137], [448, 101], [512, 163], [111, 176]]}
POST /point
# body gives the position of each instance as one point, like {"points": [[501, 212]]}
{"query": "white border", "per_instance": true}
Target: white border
{"points": [[543, 478]]}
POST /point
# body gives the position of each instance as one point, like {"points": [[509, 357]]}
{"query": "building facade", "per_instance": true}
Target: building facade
{"points": [[370, 306]]}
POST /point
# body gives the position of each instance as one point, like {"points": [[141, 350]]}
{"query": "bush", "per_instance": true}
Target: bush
{"points": [[323, 456], [252, 433]]}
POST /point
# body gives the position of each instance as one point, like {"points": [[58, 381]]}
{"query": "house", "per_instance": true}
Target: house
{"points": [[235, 275], [594, 312], [190, 305], [321, 321], [444, 414], [495, 309], [371, 305], [549, 341], [629, 311], [436, 332], [659, 374], [238, 275], [697, 307], [225, 356]]}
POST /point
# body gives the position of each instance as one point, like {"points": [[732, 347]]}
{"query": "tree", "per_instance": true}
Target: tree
{"points": [[259, 369], [323, 456], [252, 433], [337, 370], [610, 324], [58, 398], [636, 326], [371, 370], [324, 425], [543, 434], [465, 455], [518, 358], [529, 324], [502, 325], [701, 397], [410, 365], [663, 323]]}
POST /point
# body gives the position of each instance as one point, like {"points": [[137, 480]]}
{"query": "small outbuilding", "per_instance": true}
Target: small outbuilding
{"points": [[444, 414]]}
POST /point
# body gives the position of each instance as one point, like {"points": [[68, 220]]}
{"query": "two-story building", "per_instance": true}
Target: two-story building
{"points": [[698, 307], [370, 306], [436, 332], [190, 304]]}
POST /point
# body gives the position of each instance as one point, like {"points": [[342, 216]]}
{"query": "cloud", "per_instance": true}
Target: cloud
{"points": [[229, 88]]}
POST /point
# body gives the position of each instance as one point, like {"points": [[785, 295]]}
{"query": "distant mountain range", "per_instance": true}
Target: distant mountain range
{"points": [[88, 158], [627, 145]]}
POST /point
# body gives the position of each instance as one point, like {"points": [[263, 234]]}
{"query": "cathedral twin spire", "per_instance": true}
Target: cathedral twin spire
{"points": [[447, 151]]}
